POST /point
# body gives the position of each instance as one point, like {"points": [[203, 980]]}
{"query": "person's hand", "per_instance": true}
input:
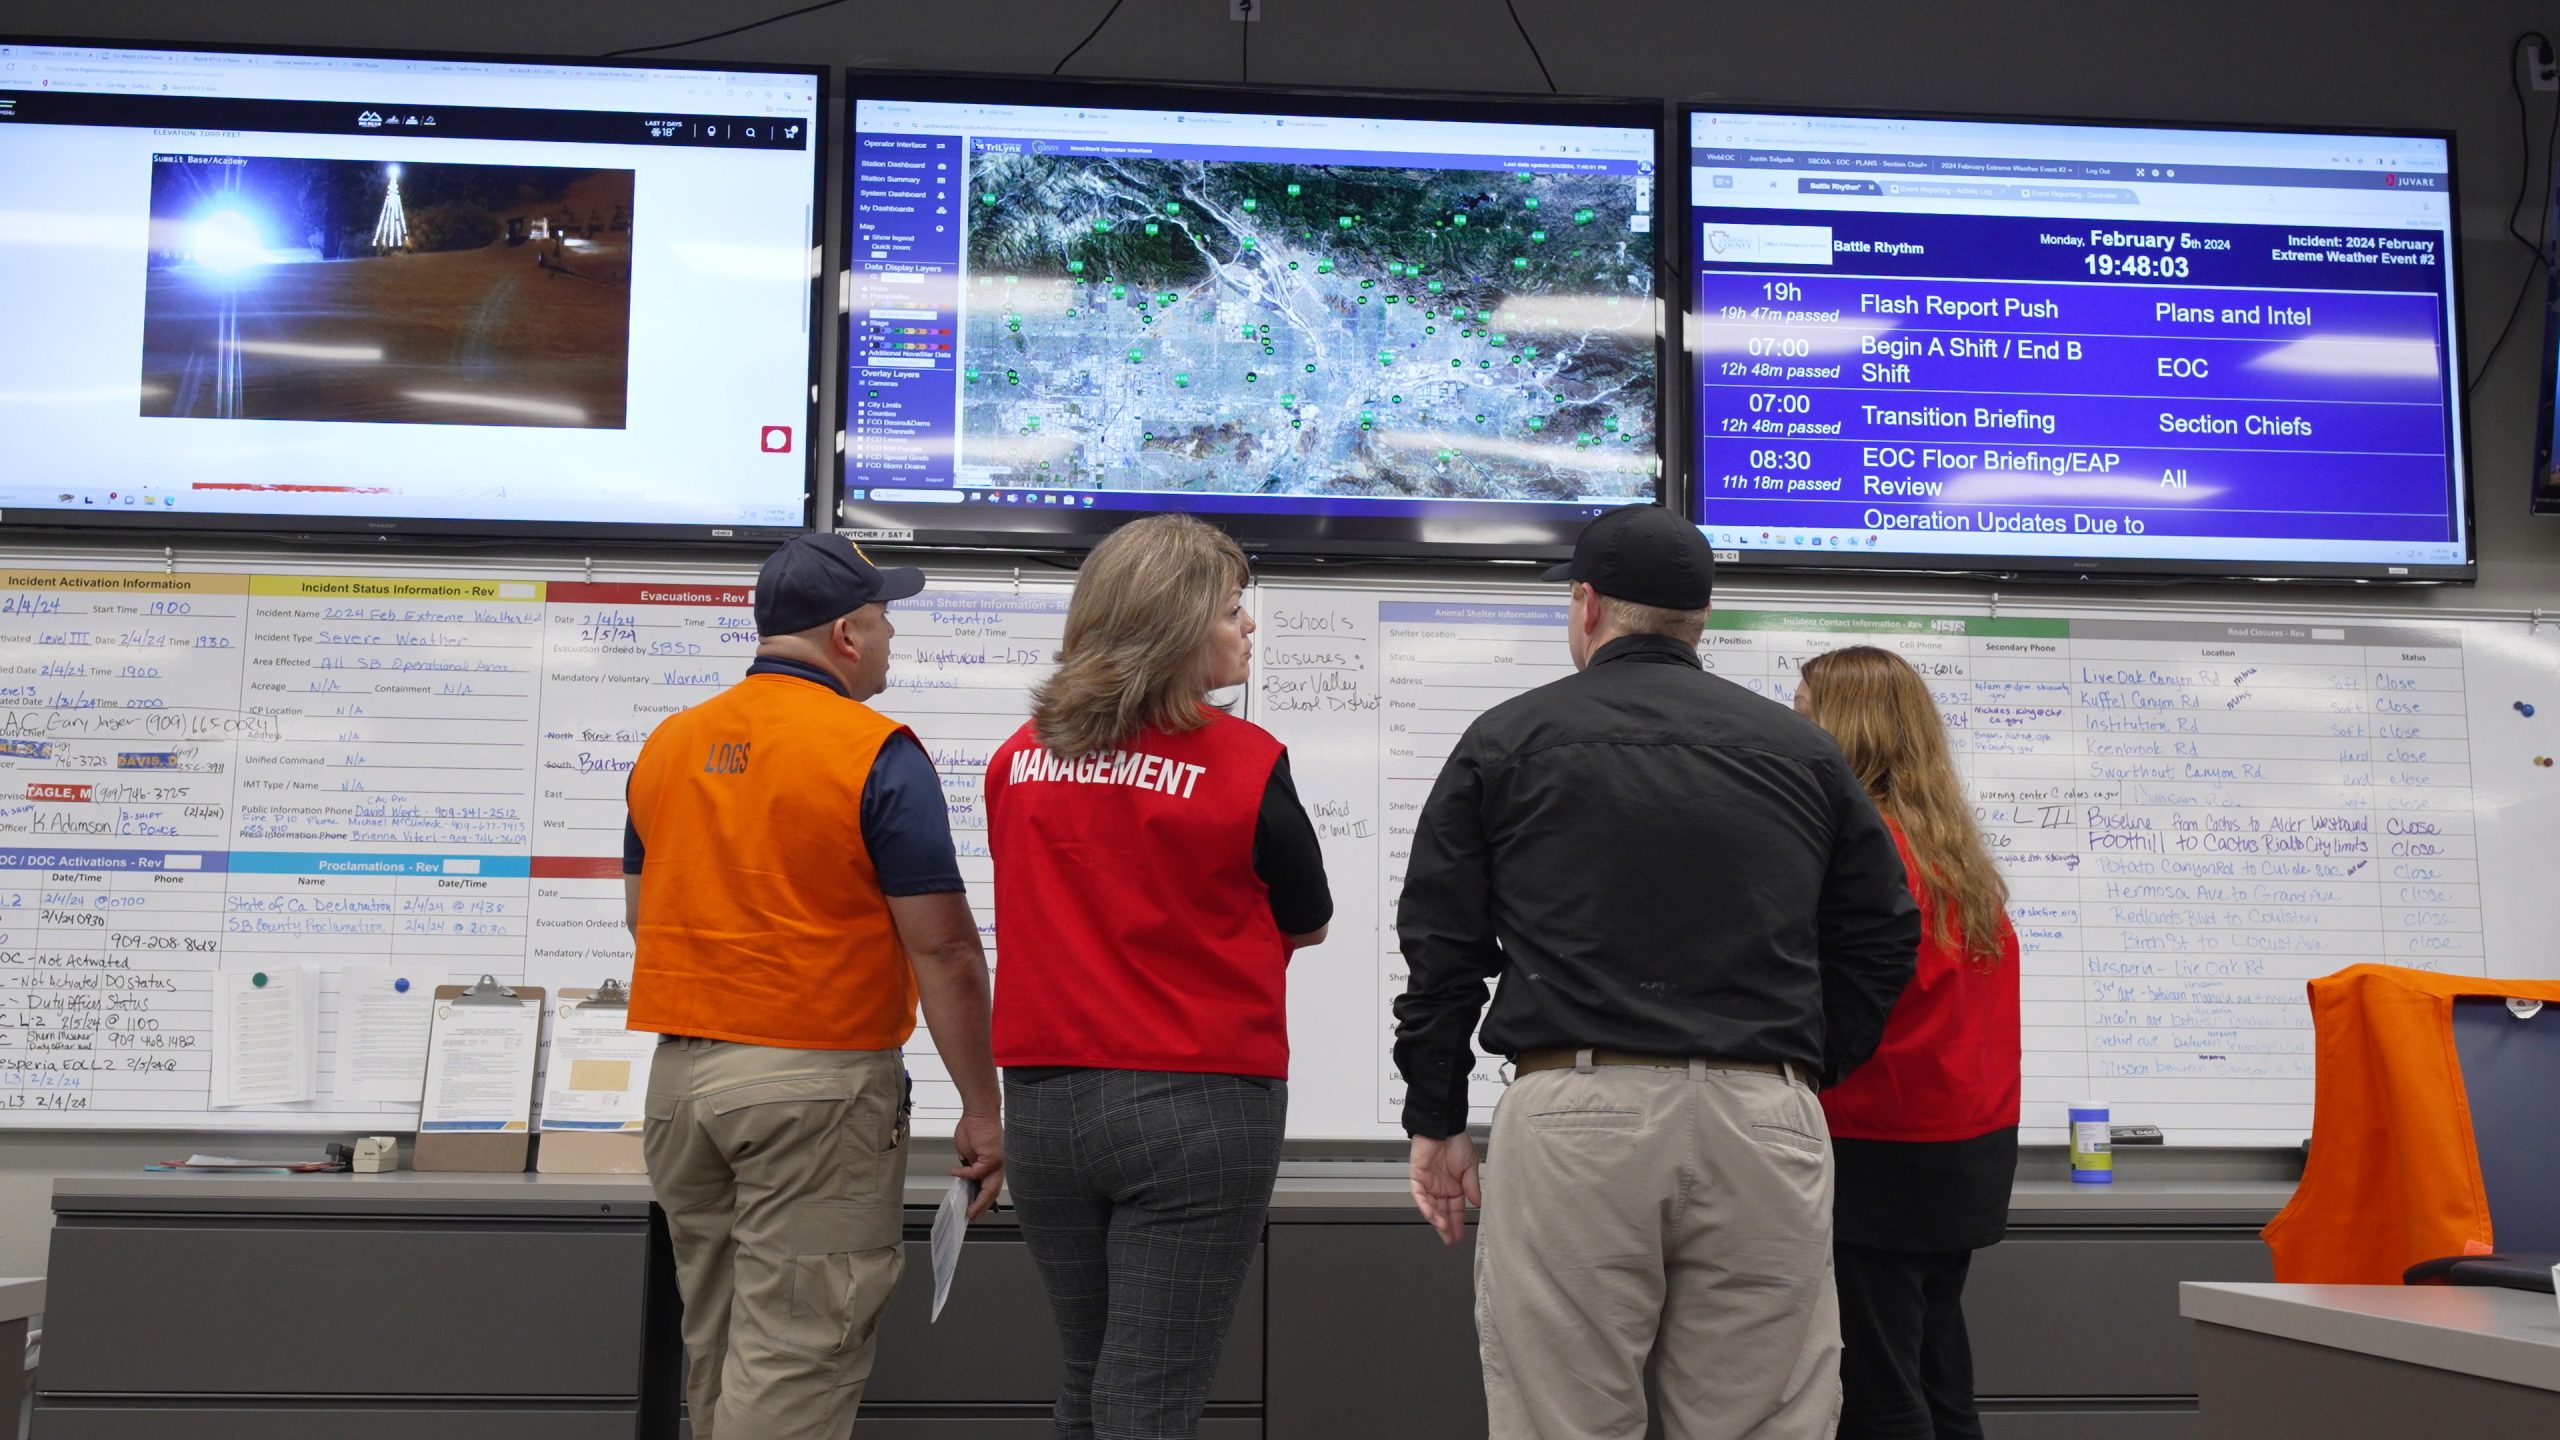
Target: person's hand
{"points": [[1444, 1183], [980, 1143]]}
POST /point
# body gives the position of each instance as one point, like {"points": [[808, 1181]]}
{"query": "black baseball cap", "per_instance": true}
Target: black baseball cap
{"points": [[1644, 555], [816, 578]]}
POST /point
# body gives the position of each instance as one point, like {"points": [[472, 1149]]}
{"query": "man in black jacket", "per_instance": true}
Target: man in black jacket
{"points": [[1697, 917]]}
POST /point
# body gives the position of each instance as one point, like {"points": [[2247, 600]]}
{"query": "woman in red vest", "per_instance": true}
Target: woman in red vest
{"points": [[1926, 1132], [1154, 871]]}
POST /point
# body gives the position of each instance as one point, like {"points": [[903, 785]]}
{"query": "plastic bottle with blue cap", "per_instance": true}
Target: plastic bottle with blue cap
{"points": [[2093, 1160]]}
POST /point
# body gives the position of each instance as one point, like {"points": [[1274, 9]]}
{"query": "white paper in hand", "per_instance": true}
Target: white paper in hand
{"points": [[950, 1227]]}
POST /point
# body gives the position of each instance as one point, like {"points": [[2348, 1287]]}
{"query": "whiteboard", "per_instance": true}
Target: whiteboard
{"points": [[211, 770], [2195, 814], [233, 766]]}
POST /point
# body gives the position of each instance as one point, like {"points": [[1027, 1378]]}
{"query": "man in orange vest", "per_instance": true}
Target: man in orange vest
{"points": [[801, 894]]}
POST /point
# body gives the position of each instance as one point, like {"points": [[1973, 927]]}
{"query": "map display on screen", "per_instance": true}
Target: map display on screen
{"points": [[1249, 315]]}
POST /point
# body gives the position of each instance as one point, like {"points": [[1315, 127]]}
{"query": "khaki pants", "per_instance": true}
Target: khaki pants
{"points": [[783, 1175], [1661, 1232]]}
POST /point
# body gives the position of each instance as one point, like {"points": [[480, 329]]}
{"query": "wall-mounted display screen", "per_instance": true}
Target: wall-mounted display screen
{"points": [[2546, 456], [335, 292], [1352, 324], [2015, 347]]}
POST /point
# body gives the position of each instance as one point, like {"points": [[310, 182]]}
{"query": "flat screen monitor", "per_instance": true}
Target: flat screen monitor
{"points": [[1332, 324], [2075, 348], [328, 293]]}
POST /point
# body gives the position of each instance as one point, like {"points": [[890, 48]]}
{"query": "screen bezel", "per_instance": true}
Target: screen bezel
{"points": [[307, 528], [1313, 537], [2065, 567], [2543, 493]]}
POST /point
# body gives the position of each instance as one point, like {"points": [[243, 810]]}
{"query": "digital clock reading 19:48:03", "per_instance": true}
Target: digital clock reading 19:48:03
{"points": [[2136, 267]]}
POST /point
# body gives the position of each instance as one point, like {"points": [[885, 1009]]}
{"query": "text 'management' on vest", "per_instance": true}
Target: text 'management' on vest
{"points": [[1110, 767]]}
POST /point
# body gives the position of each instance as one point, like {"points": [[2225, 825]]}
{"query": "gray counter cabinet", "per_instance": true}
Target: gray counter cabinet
{"points": [[541, 1308], [2075, 1325], [974, 1425], [2087, 1311], [161, 1419], [2313, 1362], [995, 1350], [2074, 1319], [1373, 1330], [421, 1312]]}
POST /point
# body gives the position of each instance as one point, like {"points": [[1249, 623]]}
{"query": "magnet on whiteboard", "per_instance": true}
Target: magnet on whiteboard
{"points": [[401, 984], [2524, 709], [2542, 760], [259, 980]]}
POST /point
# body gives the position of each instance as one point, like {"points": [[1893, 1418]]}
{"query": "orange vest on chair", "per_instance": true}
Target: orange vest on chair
{"points": [[2394, 1176], [761, 919]]}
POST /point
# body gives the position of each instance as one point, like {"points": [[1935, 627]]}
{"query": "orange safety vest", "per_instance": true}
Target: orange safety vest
{"points": [[761, 919], [2394, 1175]]}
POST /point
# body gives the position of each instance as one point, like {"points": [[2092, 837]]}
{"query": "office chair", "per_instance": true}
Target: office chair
{"points": [[2510, 1055]]}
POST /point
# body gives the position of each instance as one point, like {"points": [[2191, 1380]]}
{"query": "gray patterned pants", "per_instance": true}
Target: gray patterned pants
{"points": [[1142, 1195]]}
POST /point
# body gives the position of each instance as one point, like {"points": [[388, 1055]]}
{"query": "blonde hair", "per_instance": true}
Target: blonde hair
{"points": [[1141, 614], [1879, 709], [1629, 618]]}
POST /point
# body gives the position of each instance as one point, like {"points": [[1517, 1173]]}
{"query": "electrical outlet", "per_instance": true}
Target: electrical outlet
{"points": [[1242, 10], [2539, 62]]}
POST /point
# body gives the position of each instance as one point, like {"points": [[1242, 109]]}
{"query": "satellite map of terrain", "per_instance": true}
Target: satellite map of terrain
{"points": [[1307, 330]]}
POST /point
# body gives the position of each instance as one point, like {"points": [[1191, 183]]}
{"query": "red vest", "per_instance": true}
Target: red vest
{"points": [[1947, 1068], [1131, 930], [761, 919]]}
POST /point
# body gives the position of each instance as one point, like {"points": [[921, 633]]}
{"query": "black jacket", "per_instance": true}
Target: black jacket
{"points": [[1654, 859]]}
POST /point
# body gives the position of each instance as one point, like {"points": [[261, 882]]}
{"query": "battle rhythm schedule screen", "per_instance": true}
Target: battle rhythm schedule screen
{"points": [[1995, 345]]}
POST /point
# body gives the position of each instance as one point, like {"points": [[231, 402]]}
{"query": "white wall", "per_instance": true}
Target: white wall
{"points": [[2351, 62]]}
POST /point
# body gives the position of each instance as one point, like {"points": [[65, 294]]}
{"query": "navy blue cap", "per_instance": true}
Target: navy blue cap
{"points": [[1644, 555], [817, 578]]}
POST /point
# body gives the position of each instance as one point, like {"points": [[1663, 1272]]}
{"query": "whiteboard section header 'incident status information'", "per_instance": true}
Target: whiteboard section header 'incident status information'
{"points": [[1994, 345]]}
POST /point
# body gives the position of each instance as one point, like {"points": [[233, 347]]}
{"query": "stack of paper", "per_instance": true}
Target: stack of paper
{"points": [[236, 1165]]}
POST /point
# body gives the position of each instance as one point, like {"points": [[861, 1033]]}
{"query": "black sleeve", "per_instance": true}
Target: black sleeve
{"points": [[1445, 923], [633, 852], [1868, 930], [1287, 857]]}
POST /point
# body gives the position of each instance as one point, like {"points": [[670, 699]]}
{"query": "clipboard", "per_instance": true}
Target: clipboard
{"points": [[501, 1148], [586, 1152]]}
